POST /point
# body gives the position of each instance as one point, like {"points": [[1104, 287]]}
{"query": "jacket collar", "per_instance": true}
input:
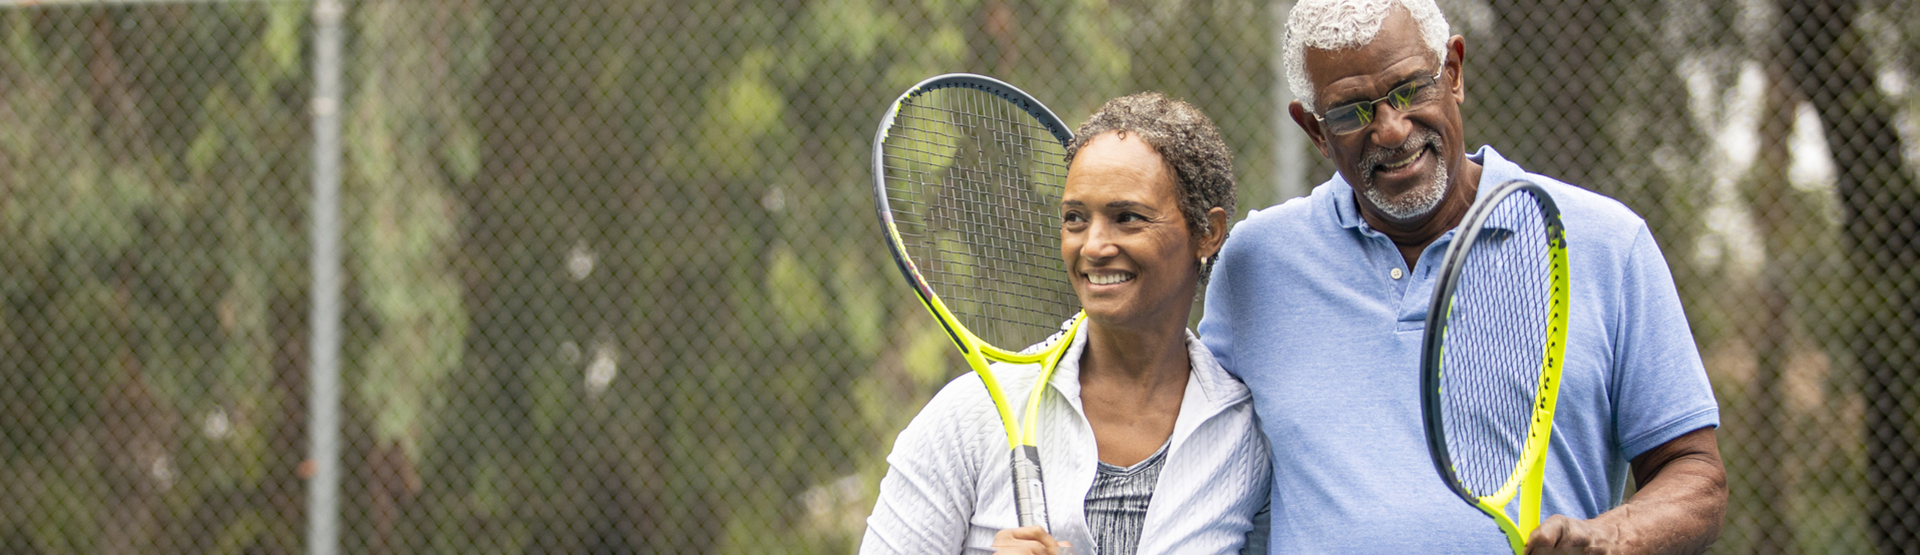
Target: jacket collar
{"points": [[1210, 389]]}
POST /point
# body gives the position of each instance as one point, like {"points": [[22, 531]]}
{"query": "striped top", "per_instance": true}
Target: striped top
{"points": [[1117, 503]]}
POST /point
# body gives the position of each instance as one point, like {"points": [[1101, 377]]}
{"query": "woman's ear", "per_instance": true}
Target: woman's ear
{"points": [[1216, 233]]}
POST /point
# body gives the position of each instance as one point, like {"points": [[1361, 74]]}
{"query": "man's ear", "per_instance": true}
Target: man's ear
{"points": [[1456, 66], [1307, 123]]}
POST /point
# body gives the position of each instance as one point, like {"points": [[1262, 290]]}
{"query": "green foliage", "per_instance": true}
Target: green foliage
{"points": [[800, 300], [706, 159], [613, 274], [135, 275], [408, 139]]}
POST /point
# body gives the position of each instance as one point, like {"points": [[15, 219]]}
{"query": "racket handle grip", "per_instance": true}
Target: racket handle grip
{"points": [[1029, 497]]}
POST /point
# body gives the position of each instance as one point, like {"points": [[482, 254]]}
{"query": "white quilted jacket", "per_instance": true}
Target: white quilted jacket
{"points": [[949, 487]]}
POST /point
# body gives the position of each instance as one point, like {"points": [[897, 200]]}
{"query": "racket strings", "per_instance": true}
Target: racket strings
{"points": [[1495, 344], [974, 184]]}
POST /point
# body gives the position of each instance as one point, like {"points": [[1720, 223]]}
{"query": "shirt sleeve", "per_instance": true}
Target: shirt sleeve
{"points": [[1215, 329], [926, 498], [1661, 387]]}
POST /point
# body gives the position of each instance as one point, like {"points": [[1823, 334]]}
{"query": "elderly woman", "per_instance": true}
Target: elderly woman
{"points": [[1149, 446]]}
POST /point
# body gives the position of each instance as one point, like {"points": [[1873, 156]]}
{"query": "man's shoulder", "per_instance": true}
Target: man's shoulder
{"points": [[1291, 217], [1596, 222], [1581, 202], [1293, 211], [1596, 219]]}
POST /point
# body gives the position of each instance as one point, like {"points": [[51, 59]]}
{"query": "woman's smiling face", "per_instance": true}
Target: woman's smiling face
{"points": [[1129, 252]]}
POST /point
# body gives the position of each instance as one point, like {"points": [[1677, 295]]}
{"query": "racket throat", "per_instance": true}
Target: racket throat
{"points": [[1029, 494], [1530, 495]]}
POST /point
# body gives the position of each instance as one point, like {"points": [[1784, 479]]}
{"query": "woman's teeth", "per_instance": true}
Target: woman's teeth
{"points": [[1108, 279]]}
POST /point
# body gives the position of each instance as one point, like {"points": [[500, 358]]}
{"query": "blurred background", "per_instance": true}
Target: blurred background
{"points": [[612, 282]]}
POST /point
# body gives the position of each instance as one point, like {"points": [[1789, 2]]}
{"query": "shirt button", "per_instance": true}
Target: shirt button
{"points": [[1396, 273]]}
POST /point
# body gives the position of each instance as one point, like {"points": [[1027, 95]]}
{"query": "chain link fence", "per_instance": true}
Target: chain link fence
{"points": [[613, 283]]}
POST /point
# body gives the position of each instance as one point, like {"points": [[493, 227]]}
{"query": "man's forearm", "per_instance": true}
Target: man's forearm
{"points": [[1682, 500], [1679, 508]]}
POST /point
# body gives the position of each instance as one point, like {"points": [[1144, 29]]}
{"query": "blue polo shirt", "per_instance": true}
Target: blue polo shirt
{"points": [[1319, 315]]}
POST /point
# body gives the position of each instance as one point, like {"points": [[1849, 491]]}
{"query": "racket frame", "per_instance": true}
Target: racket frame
{"points": [[1029, 494], [1529, 472]]}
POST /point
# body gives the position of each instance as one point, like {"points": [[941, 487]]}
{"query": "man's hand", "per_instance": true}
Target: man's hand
{"points": [[1032, 540], [1679, 508], [1560, 534]]}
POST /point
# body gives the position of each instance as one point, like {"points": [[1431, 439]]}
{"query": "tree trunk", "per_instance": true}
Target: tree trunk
{"points": [[285, 490], [1769, 198], [563, 171], [1831, 68], [1542, 93], [391, 485], [138, 433]]}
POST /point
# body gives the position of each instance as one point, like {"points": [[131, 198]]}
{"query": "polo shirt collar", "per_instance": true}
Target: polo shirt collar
{"points": [[1495, 169], [1344, 209]]}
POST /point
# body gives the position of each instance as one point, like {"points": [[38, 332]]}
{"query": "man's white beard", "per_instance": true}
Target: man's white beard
{"points": [[1417, 202]]}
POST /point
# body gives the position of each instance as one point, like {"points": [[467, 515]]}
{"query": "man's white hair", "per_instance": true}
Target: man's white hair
{"points": [[1345, 24]]}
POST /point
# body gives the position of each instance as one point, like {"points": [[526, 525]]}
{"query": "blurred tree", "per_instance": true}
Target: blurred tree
{"points": [[1831, 66], [1772, 203], [143, 291], [1592, 93], [1550, 67], [409, 138]]}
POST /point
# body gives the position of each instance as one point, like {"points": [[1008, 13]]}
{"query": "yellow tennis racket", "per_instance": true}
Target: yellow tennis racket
{"points": [[1490, 363], [968, 173]]}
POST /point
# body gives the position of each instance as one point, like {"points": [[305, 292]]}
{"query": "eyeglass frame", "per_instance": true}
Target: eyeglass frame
{"points": [[1433, 81]]}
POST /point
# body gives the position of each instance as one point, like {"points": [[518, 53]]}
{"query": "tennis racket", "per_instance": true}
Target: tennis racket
{"points": [[967, 175], [1490, 363]]}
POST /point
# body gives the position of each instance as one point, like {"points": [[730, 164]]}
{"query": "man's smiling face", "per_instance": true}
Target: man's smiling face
{"points": [[1402, 163]]}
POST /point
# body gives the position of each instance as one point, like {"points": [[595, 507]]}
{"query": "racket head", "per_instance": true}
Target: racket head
{"points": [[1494, 344], [968, 173]]}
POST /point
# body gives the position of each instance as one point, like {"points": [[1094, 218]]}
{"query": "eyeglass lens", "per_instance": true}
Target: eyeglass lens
{"points": [[1354, 116]]}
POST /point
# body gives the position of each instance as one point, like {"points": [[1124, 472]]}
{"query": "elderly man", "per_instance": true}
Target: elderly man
{"points": [[1319, 304]]}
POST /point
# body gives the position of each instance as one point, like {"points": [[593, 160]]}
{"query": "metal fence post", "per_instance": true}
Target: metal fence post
{"points": [[323, 509], [1289, 143]]}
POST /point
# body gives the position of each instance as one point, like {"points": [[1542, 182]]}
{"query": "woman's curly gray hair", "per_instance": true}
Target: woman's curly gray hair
{"points": [[1201, 162]]}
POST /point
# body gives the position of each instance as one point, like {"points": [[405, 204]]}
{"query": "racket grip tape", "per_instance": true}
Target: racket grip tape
{"points": [[1029, 497]]}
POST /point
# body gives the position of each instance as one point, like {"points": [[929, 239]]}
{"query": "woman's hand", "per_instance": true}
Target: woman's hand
{"points": [[1030, 540]]}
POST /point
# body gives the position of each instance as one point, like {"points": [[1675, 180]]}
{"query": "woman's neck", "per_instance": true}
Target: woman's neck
{"points": [[1132, 383], [1142, 358]]}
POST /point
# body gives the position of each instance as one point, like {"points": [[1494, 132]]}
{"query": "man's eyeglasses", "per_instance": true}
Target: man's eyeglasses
{"points": [[1354, 116]]}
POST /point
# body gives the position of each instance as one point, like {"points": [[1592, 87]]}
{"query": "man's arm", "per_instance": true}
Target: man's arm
{"points": [[1679, 507]]}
